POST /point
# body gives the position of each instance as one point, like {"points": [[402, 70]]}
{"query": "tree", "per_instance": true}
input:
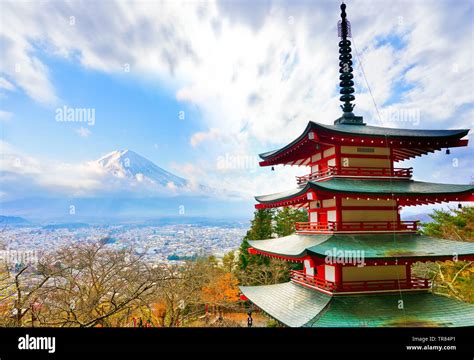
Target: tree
{"points": [[450, 278], [182, 289], [221, 291], [261, 225], [286, 218], [83, 285], [96, 286], [20, 289], [260, 270], [261, 228], [159, 311], [457, 224], [229, 262]]}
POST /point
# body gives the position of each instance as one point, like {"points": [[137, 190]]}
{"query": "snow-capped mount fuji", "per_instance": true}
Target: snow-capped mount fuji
{"points": [[119, 185], [127, 164]]}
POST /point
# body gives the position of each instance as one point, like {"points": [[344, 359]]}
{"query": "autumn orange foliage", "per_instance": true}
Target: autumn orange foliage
{"points": [[223, 290], [159, 312]]}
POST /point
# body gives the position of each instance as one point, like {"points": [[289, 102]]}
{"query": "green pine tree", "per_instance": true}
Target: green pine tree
{"points": [[451, 278], [261, 228], [256, 269], [285, 220], [457, 224]]}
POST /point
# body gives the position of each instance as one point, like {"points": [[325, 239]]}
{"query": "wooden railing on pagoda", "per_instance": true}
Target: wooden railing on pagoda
{"points": [[357, 226], [301, 278], [356, 171]]}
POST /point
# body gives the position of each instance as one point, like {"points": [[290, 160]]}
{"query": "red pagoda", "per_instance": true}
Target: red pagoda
{"points": [[356, 251]]}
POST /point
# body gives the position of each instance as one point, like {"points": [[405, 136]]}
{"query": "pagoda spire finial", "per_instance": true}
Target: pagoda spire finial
{"points": [[345, 71]]}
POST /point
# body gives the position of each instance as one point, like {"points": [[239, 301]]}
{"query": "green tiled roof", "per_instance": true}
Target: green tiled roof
{"points": [[419, 310], [292, 245], [389, 132], [290, 304], [281, 195], [373, 245], [372, 131], [296, 306], [409, 187], [382, 187], [395, 245]]}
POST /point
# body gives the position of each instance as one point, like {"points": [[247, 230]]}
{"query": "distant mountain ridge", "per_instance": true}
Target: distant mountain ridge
{"points": [[13, 220]]}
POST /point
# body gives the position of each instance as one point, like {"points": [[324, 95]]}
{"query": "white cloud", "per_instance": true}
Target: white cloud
{"points": [[248, 67], [5, 84], [18, 60], [201, 136], [23, 175], [12, 161], [257, 73]]}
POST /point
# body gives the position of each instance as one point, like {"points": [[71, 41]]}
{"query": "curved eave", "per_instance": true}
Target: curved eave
{"points": [[292, 247], [274, 300], [419, 310], [408, 192], [407, 188], [374, 247], [386, 247], [282, 196], [311, 308], [273, 153], [395, 133], [301, 147]]}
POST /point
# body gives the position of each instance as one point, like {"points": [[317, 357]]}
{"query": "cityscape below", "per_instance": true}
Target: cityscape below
{"points": [[158, 243]]}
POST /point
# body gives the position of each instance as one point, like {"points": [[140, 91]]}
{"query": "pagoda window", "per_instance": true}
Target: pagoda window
{"points": [[309, 267], [332, 216], [313, 216], [330, 273]]}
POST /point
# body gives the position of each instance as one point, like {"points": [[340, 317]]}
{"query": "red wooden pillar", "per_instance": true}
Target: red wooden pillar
{"points": [[408, 274], [338, 213], [320, 271], [337, 151]]}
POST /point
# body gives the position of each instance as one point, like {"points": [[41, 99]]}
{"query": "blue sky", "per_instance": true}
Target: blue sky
{"points": [[129, 114], [247, 78]]}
